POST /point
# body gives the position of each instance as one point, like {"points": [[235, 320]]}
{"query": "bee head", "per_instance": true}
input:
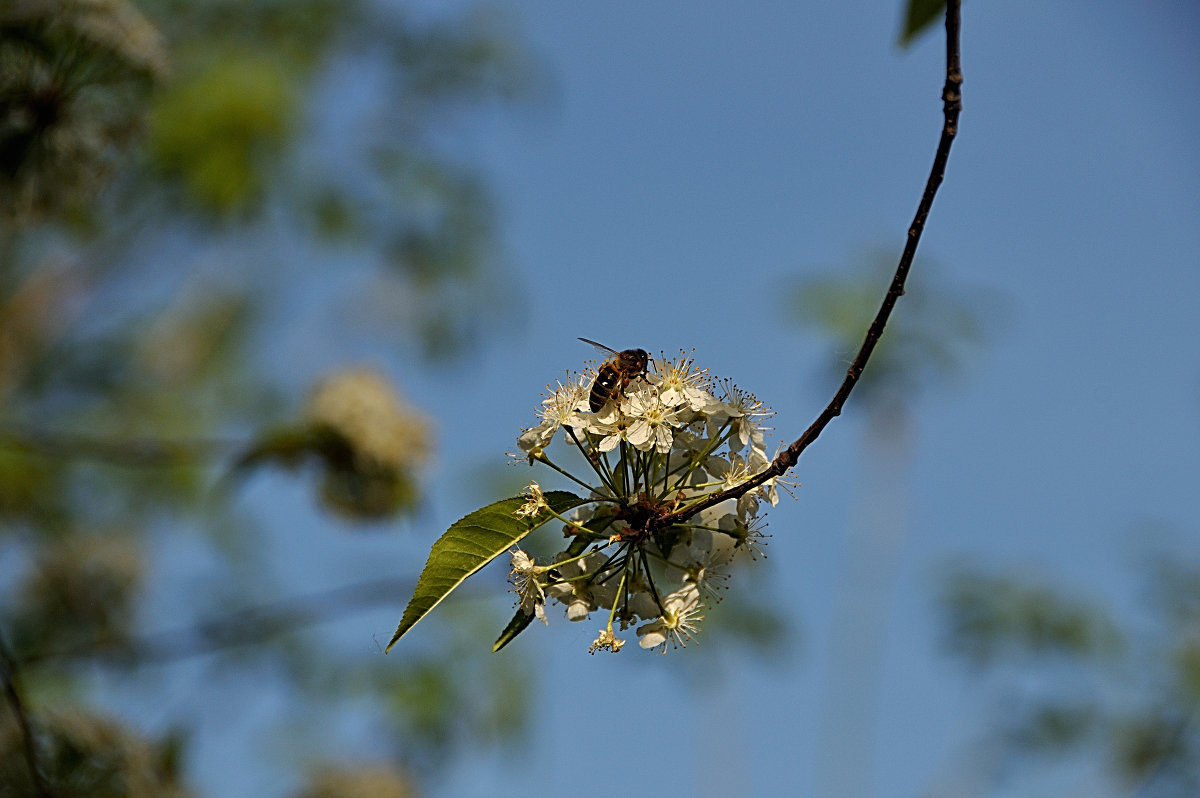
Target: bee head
{"points": [[633, 361]]}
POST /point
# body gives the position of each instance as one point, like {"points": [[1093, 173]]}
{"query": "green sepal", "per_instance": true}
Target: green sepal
{"points": [[471, 543]]}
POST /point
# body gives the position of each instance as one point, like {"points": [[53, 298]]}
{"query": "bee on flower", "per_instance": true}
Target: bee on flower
{"points": [[650, 541]]}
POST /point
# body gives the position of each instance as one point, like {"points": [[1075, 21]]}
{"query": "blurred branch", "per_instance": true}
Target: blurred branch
{"points": [[12, 692], [136, 452], [951, 107], [253, 625]]}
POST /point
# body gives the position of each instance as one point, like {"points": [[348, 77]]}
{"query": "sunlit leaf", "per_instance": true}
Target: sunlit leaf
{"points": [[468, 545]]}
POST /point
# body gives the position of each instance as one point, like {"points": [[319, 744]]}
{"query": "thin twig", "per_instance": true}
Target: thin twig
{"points": [[951, 107], [12, 692]]}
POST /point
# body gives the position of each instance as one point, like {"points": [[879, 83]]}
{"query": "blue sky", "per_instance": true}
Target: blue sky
{"points": [[699, 156], [694, 158]]}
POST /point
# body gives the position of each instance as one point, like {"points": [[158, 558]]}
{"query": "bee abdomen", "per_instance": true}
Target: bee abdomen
{"points": [[606, 382]]}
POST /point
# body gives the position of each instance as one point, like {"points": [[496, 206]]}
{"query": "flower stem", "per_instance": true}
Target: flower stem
{"points": [[546, 461]]}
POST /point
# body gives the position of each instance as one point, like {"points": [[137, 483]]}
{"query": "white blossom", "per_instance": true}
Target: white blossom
{"points": [[524, 578], [677, 624], [652, 424], [564, 407], [534, 504], [635, 554], [534, 440], [612, 433], [681, 383]]}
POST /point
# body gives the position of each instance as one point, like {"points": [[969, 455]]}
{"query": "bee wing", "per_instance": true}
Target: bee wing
{"points": [[599, 346]]}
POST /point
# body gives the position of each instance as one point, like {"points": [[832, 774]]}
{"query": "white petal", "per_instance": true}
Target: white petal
{"points": [[640, 434], [578, 610], [652, 634]]}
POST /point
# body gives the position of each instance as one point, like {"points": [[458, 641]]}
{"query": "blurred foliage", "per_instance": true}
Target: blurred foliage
{"points": [[79, 592], [74, 77], [177, 179], [1077, 681], [990, 616], [358, 782], [88, 756], [217, 128], [940, 327]]}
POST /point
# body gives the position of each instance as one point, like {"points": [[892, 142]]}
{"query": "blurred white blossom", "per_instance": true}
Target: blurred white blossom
{"points": [[363, 408]]}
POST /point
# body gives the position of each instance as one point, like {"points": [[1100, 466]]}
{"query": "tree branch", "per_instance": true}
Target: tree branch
{"points": [[951, 107], [12, 693]]}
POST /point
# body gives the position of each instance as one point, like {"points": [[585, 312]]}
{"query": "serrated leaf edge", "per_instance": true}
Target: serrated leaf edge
{"points": [[559, 500]]}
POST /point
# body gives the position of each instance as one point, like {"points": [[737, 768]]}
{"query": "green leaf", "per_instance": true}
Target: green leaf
{"points": [[469, 544], [519, 623], [919, 15]]}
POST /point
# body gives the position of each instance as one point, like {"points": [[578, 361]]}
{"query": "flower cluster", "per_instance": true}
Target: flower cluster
{"points": [[662, 445]]}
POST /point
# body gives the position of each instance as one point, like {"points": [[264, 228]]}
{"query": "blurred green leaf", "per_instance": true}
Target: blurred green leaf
{"points": [[1187, 669], [1142, 744], [334, 214], [471, 543], [29, 488], [990, 616], [919, 15], [288, 446], [216, 127], [1058, 726]]}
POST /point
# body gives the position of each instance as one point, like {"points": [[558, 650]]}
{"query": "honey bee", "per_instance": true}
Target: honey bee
{"points": [[615, 373]]}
